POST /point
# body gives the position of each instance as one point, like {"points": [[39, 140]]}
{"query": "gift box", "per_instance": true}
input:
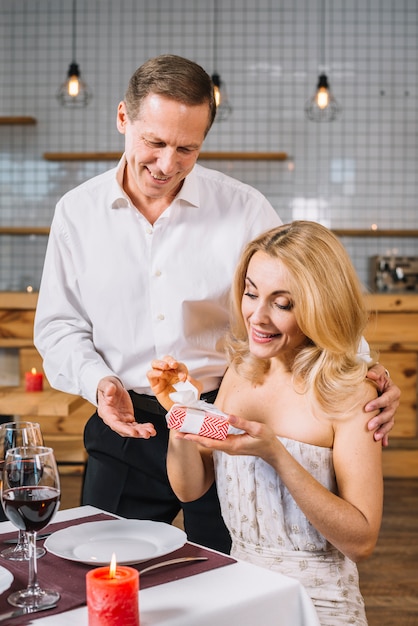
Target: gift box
{"points": [[190, 415], [198, 422]]}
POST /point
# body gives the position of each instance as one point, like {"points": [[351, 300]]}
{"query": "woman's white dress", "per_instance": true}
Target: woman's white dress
{"points": [[269, 530]]}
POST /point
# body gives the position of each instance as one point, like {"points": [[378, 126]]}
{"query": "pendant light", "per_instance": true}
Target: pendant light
{"points": [[322, 107], [223, 107], [74, 93]]}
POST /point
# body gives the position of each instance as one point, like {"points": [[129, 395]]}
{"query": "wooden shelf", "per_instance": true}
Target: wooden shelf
{"points": [[392, 302], [13, 120], [82, 156], [17, 300], [205, 156], [15, 344], [341, 232], [24, 230], [243, 156], [390, 232]]}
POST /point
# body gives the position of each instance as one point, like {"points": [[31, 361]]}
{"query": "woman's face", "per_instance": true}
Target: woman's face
{"points": [[267, 307]]}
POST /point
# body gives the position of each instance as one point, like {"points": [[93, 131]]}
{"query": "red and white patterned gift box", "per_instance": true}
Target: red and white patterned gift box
{"points": [[199, 422]]}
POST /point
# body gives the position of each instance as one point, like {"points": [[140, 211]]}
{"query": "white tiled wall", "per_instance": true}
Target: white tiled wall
{"points": [[359, 170]]}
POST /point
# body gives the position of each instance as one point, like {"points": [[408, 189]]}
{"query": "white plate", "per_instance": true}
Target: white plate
{"points": [[132, 541], [6, 579]]}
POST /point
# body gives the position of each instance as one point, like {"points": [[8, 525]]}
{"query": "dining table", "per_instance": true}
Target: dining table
{"points": [[219, 591]]}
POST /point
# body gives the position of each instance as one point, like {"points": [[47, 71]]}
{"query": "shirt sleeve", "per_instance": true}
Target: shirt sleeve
{"points": [[63, 333], [364, 351]]}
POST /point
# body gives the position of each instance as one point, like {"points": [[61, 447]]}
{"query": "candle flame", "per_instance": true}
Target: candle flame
{"points": [[112, 566], [33, 370]]}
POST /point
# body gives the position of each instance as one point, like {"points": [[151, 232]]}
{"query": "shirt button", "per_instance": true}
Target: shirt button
{"points": [[158, 272], [161, 316], [149, 230]]}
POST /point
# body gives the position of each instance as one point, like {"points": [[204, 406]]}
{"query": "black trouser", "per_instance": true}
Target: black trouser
{"points": [[128, 477]]}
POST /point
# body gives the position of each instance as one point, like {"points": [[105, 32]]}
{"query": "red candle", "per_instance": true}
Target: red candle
{"points": [[34, 380], [112, 596]]}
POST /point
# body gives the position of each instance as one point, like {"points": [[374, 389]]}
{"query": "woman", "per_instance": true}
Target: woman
{"points": [[301, 490]]}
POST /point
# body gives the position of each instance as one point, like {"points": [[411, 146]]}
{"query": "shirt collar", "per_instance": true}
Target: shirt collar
{"points": [[188, 193], [120, 199]]}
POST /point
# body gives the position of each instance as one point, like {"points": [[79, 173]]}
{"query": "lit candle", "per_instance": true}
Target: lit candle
{"points": [[112, 595], [34, 380]]}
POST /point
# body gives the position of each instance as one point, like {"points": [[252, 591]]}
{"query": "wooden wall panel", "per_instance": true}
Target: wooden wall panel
{"points": [[403, 370], [16, 328]]}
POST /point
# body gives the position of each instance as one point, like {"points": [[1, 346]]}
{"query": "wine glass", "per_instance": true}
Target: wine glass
{"points": [[13, 434], [30, 496]]}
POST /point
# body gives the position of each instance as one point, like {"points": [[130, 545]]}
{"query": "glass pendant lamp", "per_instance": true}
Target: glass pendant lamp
{"points": [[74, 92], [223, 106], [322, 107]]}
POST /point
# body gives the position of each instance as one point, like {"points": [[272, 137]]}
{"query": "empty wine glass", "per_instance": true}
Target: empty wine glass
{"points": [[13, 434], [30, 496]]}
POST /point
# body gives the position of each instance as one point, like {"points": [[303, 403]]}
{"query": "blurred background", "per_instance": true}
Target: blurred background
{"points": [[356, 174]]}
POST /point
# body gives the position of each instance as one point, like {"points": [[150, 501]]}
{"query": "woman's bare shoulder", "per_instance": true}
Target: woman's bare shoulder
{"points": [[354, 405]]}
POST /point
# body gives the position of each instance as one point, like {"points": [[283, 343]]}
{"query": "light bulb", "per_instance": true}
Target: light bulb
{"points": [[217, 93], [74, 93], [73, 86], [322, 107], [322, 97], [223, 108]]}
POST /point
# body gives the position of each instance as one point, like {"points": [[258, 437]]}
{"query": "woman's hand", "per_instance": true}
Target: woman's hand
{"points": [[257, 440], [162, 377], [165, 373]]}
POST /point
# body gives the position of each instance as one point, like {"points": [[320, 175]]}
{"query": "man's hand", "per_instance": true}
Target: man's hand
{"points": [[114, 406], [387, 402]]}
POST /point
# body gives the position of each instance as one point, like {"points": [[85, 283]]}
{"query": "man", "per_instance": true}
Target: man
{"points": [[139, 264]]}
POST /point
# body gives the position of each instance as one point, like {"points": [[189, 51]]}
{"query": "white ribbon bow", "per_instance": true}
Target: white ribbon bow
{"points": [[186, 395]]}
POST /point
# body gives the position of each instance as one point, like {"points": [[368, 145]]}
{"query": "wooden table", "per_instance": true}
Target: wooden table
{"points": [[62, 417], [50, 402]]}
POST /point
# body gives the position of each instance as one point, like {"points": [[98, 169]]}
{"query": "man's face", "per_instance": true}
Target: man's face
{"points": [[161, 145]]}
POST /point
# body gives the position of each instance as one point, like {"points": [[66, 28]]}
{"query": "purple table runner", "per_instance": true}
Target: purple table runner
{"points": [[69, 577]]}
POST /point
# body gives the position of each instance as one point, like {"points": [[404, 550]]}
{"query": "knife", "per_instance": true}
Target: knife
{"points": [[182, 559], [24, 611]]}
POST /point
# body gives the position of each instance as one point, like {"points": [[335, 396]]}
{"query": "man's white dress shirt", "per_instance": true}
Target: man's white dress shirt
{"points": [[117, 292]]}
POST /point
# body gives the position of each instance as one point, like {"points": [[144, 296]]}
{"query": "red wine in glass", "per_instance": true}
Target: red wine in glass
{"points": [[30, 508], [13, 435], [30, 497]]}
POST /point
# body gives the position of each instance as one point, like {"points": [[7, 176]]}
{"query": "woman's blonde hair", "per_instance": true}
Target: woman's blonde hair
{"points": [[328, 305]]}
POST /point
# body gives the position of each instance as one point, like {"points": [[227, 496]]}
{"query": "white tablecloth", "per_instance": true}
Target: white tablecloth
{"points": [[237, 594]]}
